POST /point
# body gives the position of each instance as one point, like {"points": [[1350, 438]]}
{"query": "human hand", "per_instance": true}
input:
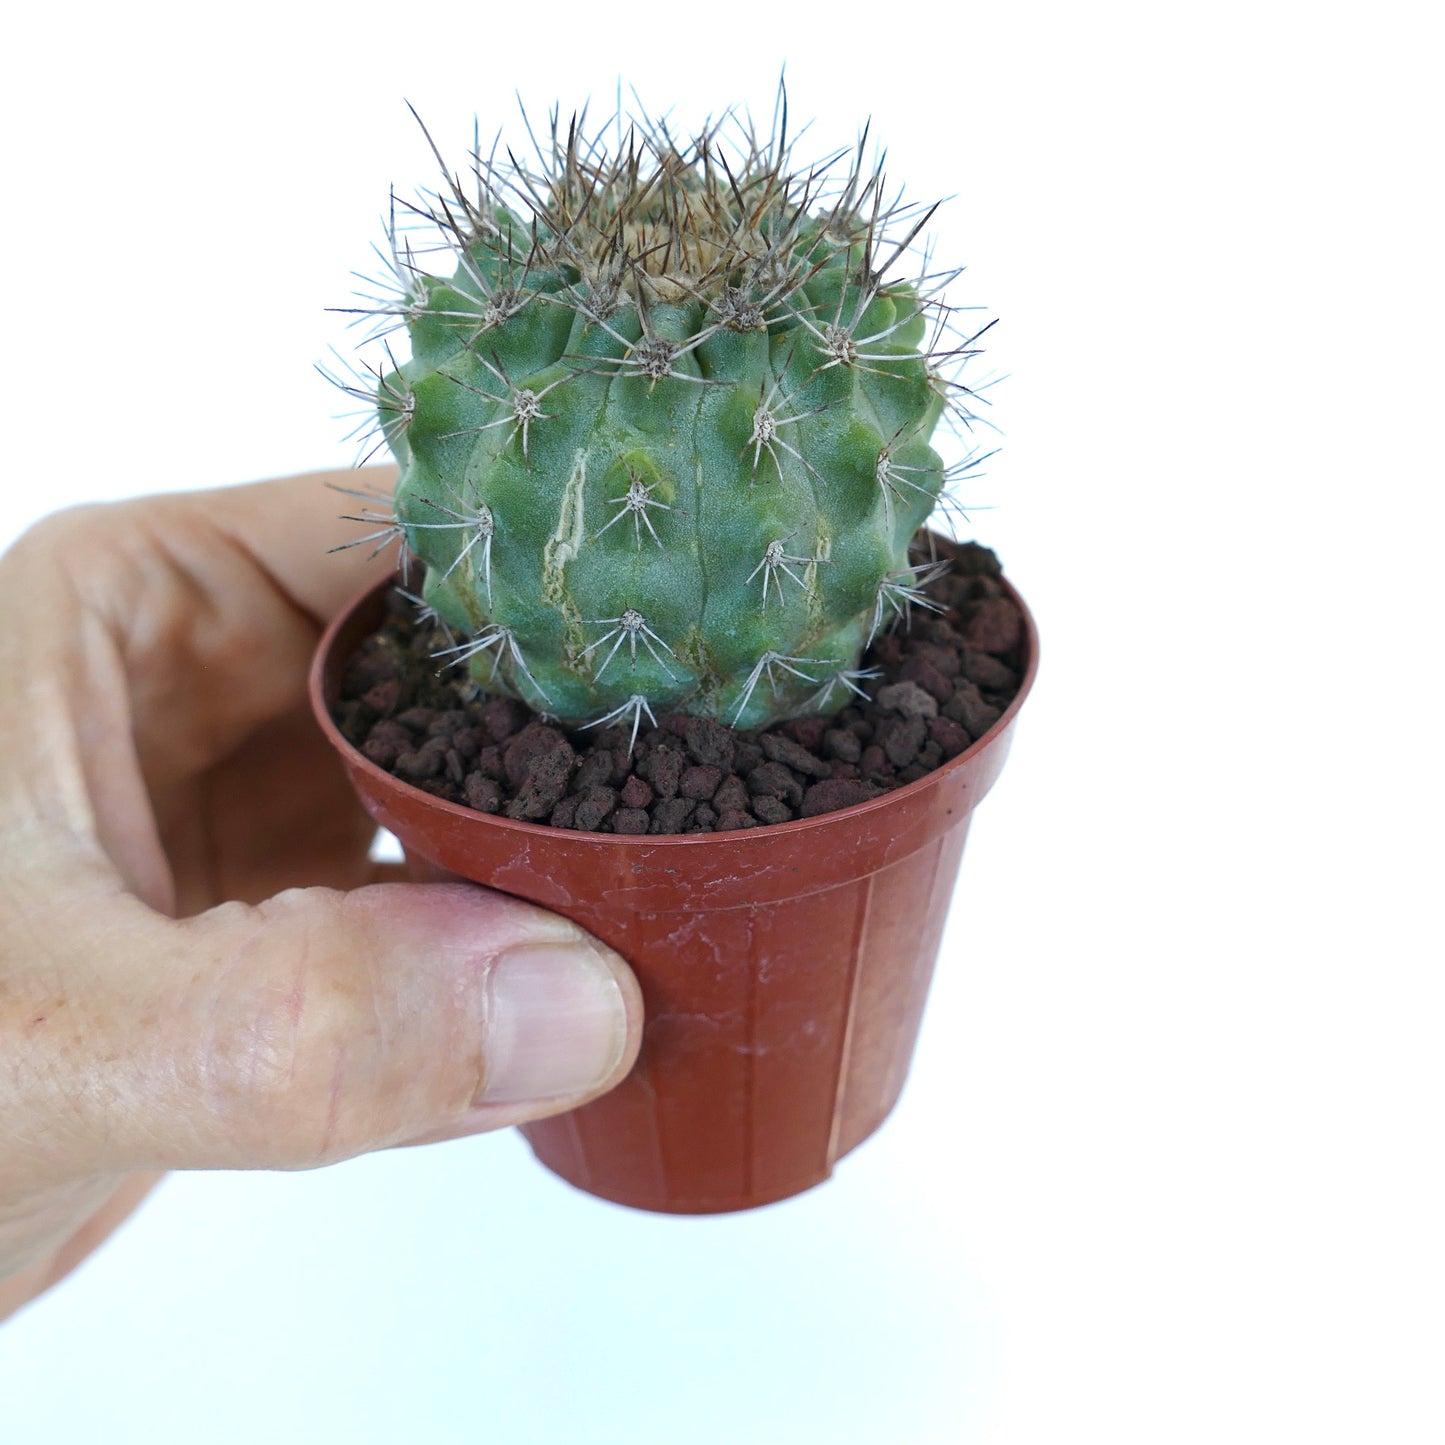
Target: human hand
{"points": [[198, 969]]}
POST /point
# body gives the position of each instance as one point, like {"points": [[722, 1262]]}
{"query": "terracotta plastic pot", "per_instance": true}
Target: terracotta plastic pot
{"points": [[784, 968]]}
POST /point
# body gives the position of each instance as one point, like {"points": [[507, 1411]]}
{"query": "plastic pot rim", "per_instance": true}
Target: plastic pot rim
{"points": [[321, 707]]}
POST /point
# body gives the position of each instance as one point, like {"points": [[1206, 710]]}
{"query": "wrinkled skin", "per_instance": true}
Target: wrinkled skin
{"points": [[198, 965]]}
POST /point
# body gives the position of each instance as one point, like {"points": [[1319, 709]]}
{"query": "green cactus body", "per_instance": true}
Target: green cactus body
{"points": [[664, 442]]}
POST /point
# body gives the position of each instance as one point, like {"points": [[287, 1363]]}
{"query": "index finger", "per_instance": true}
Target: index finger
{"points": [[321, 536]]}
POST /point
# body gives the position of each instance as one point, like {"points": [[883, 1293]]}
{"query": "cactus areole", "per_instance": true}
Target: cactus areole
{"points": [[665, 432]]}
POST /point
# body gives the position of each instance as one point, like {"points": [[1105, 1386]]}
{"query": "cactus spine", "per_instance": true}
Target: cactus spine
{"points": [[665, 432]]}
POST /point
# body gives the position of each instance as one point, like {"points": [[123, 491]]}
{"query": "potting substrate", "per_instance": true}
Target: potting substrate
{"points": [[946, 678]]}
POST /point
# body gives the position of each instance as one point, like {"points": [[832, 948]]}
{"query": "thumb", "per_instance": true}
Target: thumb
{"points": [[320, 1025]]}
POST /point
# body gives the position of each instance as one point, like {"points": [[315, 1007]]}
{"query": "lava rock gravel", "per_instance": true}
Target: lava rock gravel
{"points": [[946, 678]]}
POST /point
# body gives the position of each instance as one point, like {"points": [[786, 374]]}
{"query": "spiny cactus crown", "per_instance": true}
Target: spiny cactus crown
{"points": [[664, 435]]}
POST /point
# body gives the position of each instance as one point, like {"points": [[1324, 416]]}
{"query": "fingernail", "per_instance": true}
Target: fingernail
{"points": [[557, 1023]]}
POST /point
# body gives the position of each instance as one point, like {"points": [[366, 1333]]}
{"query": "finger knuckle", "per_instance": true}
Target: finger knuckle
{"points": [[295, 1033]]}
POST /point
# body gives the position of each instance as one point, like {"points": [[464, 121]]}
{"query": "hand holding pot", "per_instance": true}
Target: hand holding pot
{"points": [[197, 966]]}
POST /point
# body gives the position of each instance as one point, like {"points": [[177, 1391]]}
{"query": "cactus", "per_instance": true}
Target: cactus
{"points": [[665, 432]]}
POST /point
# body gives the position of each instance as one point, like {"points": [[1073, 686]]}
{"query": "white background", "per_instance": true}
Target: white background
{"points": [[1168, 1166]]}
